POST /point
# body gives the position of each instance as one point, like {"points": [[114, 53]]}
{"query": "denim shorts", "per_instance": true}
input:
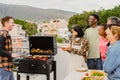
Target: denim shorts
{"points": [[6, 75], [94, 63]]}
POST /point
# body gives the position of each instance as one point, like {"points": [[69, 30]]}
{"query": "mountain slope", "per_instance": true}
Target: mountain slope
{"points": [[31, 13]]}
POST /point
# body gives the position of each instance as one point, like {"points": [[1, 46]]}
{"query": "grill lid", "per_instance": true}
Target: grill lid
{"points": [[42, 45]]}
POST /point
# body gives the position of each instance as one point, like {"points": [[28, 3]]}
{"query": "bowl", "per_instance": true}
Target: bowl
{"points": [[88, 78]]}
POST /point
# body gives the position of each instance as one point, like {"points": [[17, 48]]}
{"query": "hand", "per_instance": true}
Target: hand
{"points": [[70, 48], [15, 55]]}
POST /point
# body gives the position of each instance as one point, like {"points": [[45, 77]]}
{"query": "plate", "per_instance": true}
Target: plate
{"points": [[81, 69], [64, 48]]}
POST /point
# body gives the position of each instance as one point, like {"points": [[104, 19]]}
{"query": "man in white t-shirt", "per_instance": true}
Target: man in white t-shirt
{"points": [[91, 34]]}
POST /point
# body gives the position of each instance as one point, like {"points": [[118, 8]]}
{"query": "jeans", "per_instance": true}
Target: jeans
{"points": [[94, 64], [6, 75], [102, 62]]}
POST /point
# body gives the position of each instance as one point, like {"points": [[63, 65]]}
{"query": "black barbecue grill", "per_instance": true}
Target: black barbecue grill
{"points": [[41, 60]]}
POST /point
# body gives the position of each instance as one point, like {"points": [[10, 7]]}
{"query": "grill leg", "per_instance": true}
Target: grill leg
{"points": [[54, 62], [48, 76], [27, 77], [48, 72], [18, 76]]}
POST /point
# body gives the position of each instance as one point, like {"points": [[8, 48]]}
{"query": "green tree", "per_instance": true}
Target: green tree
{"points": [[82, 19], [30, 28]]}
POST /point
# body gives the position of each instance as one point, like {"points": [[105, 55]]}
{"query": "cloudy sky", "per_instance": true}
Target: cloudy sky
{"points": [[70, 5]]}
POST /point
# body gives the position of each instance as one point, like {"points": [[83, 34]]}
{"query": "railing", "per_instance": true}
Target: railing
{"points": [[20, 50]]}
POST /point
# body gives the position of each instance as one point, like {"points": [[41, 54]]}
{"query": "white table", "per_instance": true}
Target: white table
{"points": [[77, 75], [63, 62]]}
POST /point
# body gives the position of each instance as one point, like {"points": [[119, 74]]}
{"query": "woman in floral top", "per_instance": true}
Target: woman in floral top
{"points": [[78, 48]]}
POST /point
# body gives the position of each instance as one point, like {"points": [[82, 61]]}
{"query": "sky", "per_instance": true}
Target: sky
{"points": [[70, 5]]}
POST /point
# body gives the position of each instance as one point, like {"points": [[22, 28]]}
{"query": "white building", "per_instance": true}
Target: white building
{"points": [[17, 31], [63, 32], [54, 27]]}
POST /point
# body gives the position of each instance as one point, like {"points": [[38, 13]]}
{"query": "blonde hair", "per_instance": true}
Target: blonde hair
{"points": [[116, 30]]}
